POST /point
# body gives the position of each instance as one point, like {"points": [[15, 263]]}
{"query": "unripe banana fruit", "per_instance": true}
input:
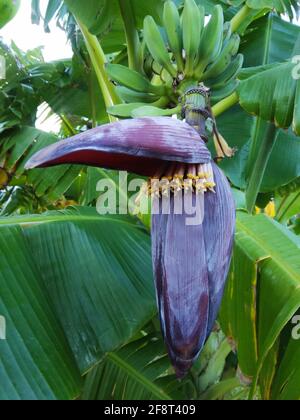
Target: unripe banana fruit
{"points": [[8, 10], [192, 25], [229, 50], [172, 26], [186, 51], [156, 45], [211, 41]]}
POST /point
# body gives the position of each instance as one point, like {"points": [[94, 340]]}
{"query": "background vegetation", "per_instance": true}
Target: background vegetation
{"points": [[76, 288]]}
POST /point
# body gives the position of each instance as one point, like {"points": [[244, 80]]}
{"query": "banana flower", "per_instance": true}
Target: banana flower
{"points": [[190, 261]]}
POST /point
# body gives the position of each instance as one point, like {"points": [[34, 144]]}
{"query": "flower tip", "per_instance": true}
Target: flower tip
{"points": [[180, 374], [182, 368], [181, 364], [29, 165]]}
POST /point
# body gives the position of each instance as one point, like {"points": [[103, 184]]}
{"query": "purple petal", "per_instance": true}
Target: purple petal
{"points": [[139, 145], [191, 264], [218, 226], [181, 276]]}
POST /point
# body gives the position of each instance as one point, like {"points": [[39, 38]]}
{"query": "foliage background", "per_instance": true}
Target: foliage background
{"points": [[76, 289]]}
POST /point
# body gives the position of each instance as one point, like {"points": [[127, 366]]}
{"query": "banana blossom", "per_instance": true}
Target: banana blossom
{"points": [[190, 262]]}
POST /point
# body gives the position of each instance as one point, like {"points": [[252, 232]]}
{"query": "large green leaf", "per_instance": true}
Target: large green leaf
{"points": [[269, 40], [240, 130], [97, 272], [141, 370], [271, 94], [287, 201], [263, 292], [133, 373], [287, 379], [282, 6], [267, 93], [99, 15], [36, 361]]}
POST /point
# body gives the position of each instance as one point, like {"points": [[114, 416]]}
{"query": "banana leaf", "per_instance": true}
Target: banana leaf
{"points": [[73, 285], [262, 296]]}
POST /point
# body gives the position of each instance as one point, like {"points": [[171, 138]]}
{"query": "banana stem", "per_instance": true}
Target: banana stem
{"points": [[132, 38], [98, 60], [92, 96], [225, 104], [266, 145], [239, 18]]}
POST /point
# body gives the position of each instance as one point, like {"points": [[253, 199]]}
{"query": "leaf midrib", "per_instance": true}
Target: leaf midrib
{"points": [[36, 219], [130, 370]]}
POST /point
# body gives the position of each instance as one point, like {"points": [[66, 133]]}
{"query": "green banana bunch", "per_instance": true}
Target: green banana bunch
{"points": [[192, 26], [184, 53], [230, 49], [171, 20], [156, 45], [211, 41]]}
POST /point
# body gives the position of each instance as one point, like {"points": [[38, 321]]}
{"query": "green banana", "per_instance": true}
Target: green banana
{"points": [[171, 20], [156, 45], [133, 80], [211, 40], [127, 110], [192, 25], [230, 49], [131, 96], [156, 68], [153, 111], [227, 32], [124, 110], [218, 94], [296, 119], [229, 74]]}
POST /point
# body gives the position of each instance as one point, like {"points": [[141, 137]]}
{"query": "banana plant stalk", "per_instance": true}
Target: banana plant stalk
{"points": [[190, 260]]}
